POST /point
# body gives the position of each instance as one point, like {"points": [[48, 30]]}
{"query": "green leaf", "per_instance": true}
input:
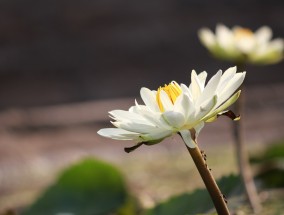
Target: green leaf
{"points": [[197, 202], [274, 151], [272, 178], [270, 165], [90, 187]]}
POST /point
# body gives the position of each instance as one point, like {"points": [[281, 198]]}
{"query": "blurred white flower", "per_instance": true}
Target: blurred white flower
{"points": [[177, 108], [242, 45]]}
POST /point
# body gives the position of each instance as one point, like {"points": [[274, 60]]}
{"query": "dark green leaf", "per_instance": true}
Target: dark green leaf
{"points": [[273, 178], [275, 151], [269, 165], [89, 188], [196, 202]]}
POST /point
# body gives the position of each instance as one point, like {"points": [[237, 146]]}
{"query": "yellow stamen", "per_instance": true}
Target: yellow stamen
{"points": [[241, 33], [173, 90]]}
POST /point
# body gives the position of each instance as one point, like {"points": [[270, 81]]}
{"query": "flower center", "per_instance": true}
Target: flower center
{"points": [[173, 90], [241, 33]]}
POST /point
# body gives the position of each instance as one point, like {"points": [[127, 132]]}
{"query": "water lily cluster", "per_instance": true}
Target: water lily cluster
{"points": [[177, 108], [242, 45]]}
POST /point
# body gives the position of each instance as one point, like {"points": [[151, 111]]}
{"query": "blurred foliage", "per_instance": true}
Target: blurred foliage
{"points": [[273, 178], [270, 165], [93, 187], [90, 187], [197, 202], [274, 151]]}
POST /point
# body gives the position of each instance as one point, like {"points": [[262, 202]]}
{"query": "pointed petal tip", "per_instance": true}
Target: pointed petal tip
{"points": [[234, 68], [144, 90], [102, 132], [230, 114], [237, 118]]}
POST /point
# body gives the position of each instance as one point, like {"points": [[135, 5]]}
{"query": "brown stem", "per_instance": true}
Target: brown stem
{"points": [[242, 156], [209, 181], [243, 161]]}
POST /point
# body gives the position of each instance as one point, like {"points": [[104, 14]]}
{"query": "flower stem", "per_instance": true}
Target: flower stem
{"points": [[242, 155], [209, 181], [243, 160]]}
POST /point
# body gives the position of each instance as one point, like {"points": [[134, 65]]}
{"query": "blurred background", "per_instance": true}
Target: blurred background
{"points": [[64, 64]]}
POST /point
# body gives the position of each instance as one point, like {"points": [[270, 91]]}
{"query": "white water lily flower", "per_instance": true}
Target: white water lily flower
{"points": [[176, 108], [242, 45]]}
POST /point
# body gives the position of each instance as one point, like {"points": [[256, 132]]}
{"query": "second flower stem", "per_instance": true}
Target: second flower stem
{"points": [[209, 181], [242, 154], [243, 160]]}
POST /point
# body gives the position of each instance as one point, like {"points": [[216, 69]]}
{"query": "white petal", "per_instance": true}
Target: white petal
{"points": [[268, 53], [210, 88], [224, 106], [224, 36], [137, 108], [186, 90], [188, 106], [207, 37], [263, 34], [198, 128], [157, 134], [228, 75], [183, 105], [155, 119], [277, 44], [205, 108], [122, 115], [186, 136], [166, 102], [149, 98], [228, 102], [196, 86], [134, 127], [202, 77], [118, 134], [175, 119], [231, 87]]}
